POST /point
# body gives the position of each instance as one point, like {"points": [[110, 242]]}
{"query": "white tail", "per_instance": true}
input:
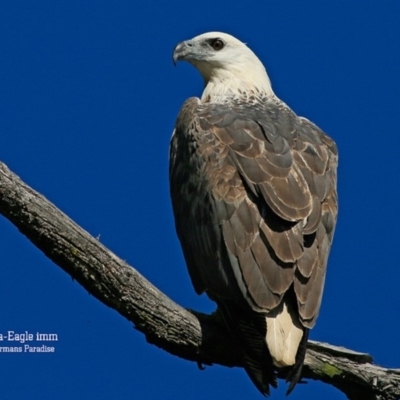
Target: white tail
{"points": [[284, 333]]}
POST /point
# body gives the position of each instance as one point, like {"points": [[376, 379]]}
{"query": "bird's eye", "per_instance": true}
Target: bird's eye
{"points": [[217, 44]]}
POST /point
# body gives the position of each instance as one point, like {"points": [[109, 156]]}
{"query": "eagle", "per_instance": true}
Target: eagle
{"points": [[253, 189]]}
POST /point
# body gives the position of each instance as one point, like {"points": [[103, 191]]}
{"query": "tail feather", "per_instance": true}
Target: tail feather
{"points": [[257, 360], [284, 334], [248, 330], [294, 374]]}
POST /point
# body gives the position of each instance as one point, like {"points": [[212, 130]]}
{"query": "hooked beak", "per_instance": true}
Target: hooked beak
{"points": [[182, 51]]}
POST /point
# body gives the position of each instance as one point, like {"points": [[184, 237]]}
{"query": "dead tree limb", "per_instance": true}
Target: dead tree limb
{"points": [[184, 333]]}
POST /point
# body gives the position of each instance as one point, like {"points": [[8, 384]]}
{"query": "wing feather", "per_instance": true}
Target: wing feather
{"points": [[253, 188], [277, 275], [261, 294]]}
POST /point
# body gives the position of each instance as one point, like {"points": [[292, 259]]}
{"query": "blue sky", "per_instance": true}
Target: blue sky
{"points": [[88, 101]]}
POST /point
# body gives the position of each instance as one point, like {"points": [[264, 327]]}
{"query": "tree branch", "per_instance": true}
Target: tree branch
{"points": [[184, 333]]}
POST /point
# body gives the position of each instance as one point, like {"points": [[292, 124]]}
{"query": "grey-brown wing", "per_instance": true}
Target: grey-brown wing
{"points": [[196, 212], [318, 234], [262, 187]]}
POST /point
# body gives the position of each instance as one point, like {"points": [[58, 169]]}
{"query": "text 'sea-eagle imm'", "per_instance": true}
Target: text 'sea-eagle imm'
{"points": [[253, 189]]}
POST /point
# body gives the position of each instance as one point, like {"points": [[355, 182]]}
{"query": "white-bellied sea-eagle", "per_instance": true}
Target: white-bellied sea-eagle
{"points": [[253, 190]]}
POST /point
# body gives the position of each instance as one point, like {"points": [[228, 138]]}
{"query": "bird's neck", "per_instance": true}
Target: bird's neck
{"points": [[226, 85]]}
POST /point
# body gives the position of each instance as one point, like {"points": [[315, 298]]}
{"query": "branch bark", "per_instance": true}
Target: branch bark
{"points": [[184, 333]]}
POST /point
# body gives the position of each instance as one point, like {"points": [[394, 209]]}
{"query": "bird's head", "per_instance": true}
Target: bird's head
{"points": [[227, 65]]}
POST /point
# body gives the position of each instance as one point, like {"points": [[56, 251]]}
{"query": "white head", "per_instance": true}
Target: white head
{"points": [[226, 64]]}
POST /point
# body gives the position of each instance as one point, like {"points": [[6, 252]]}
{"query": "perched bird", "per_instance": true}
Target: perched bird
{"points": [[253, 190]]}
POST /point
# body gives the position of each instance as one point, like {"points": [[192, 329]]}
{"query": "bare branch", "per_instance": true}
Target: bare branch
{"points": [[186, 334]]}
